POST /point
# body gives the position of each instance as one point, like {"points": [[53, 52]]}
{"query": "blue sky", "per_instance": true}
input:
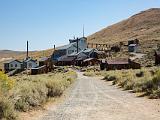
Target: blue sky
{"points": [[48, 22]]}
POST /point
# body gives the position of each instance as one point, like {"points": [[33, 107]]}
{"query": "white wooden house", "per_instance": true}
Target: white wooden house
{"points": [[12, 65], [29, 63]]}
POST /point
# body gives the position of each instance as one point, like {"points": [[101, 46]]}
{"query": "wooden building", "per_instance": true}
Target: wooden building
{"points": [[47, 61], [74, 46], [12, 65], [91, 62], [30, 63], [66, 60], [39, 70], [121, 64]]}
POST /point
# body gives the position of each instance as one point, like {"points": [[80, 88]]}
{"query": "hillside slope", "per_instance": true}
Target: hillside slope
{"points": [[145, 26]]}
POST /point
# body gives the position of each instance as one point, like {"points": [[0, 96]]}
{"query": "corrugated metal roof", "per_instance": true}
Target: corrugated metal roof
{"points": [[66, 58]]}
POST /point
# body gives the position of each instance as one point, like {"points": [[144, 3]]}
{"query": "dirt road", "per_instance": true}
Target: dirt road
{"points": [[93, 99]]}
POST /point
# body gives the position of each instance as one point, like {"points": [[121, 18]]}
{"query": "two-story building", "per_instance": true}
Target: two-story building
{"points": [[74, 46]]}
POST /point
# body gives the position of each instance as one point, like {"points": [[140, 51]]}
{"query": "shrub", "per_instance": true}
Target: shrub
{"points": [[5, 83], [110, 78], [140, 74], [35, 90], [30, 94], [7, 109], [54, 88]]}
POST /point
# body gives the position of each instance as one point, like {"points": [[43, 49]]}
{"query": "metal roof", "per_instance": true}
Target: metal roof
{"points": [[66, 58], [88, 50], [29, 59], [9, 61], [65, 46], [132, 45], [43, 59], [89, 59]]}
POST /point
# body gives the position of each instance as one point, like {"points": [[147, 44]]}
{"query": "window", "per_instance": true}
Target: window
{"points": [[15, 65], [30, 65], [11, 65]]}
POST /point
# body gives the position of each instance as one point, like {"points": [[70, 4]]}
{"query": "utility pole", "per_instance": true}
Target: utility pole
{"points": [[77, 45], [27, 50]]}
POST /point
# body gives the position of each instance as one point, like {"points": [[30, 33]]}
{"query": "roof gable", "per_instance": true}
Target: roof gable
{"points": [[10, 61]]}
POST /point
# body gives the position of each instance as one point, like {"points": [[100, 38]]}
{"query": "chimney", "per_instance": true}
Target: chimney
{"points": [[83, 30], [27, 51], [54, 47], [77, 45]]}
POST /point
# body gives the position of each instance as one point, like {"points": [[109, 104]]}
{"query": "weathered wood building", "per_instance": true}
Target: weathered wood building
{"points": [[85, 57], [121, 64]]}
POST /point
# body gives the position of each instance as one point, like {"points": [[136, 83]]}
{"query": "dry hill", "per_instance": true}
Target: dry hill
{"points": [[145, 26]]}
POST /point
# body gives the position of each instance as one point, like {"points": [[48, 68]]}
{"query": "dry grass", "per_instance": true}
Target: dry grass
{"points": [[29, 92], [145, 80]]}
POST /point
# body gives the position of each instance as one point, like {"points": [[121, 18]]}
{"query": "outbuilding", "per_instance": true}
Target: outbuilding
{"points": [[133, 48]]}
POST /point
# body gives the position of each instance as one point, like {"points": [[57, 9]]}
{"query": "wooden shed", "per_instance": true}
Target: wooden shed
{"points": [[47, 61], [39, 70]]}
